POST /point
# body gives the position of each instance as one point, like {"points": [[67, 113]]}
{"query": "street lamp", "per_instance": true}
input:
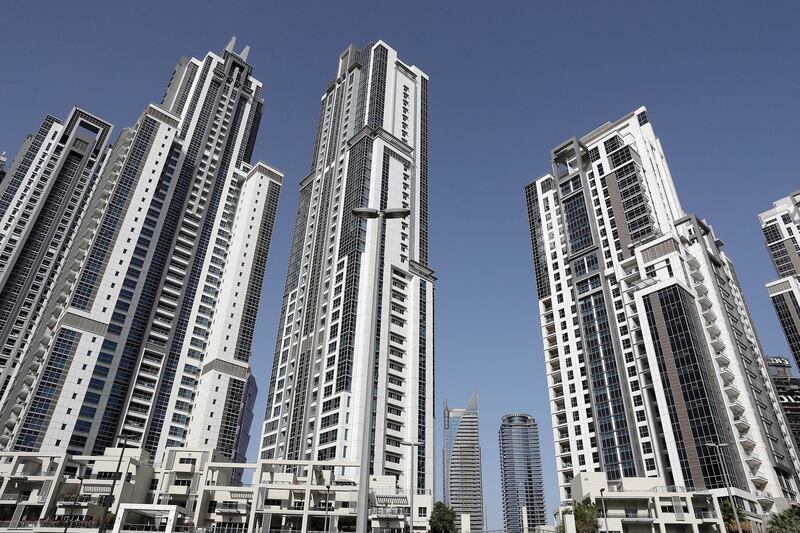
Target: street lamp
{"points": [[717, 447], [327, 506], [413, 446], [109, 501], [365, 213], [80, 489], [603, 502]]}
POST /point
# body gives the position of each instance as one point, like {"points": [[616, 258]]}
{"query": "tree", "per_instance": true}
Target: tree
{"points": [[728, 517], [586, 516], [443, 519], [787, 520], [562, 526]]}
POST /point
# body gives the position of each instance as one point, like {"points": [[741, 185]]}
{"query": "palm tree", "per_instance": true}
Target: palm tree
{"points": [[787, 520]]}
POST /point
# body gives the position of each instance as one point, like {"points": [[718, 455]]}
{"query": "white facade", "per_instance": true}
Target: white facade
{"points": [[149, 332], [781, 227], [192, 490], [43, 200], [646, 505], [647, 338], [371, 151]]}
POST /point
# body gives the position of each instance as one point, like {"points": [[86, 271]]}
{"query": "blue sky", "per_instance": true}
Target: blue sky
{"points": [[508, 82]]}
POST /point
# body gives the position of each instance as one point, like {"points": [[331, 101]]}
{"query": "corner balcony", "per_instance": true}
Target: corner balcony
{"points": [[741, 423], [764, 497], [726, 375], [731, 390], [753, 460], [747, 442], [737, 408]]}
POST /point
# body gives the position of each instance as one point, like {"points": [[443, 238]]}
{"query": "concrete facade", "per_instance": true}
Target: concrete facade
{"points": [[649, 347]]}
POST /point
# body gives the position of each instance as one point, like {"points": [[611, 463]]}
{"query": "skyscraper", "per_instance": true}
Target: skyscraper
{"points": [[787, 386], [149, 327], [521, 474], [649, 348], [781, 227], [461, 465], [371, 151], [3, 161], [45, 197]]}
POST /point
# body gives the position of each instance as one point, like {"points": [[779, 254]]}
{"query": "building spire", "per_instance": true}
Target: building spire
{"points": [[245, 52], [231, 44]]}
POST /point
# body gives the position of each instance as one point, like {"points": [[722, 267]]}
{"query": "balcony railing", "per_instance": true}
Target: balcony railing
{"points": [[144, 527], [630, 513]]}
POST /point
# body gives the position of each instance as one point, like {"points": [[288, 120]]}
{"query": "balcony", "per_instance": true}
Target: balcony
{"points": [[388, 512], [705, 515], [631, 514], [726, 375], [70, 500], [233, 508], [764, 497], [731, 390], [737, 408], [753, 460], [747, 442], [741, 423]]}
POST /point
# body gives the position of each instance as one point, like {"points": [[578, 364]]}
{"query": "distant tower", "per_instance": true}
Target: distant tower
{"points": [[781, 227], [463, 475], [521, 474]]}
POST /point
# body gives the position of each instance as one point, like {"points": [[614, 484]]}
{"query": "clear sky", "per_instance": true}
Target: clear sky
{"points": [[508, 82]]}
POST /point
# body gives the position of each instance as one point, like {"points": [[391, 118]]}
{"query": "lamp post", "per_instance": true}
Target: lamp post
{"points": [[364, 213], [327, 496], [603, 502], [110, 498], [413, 446], [80, 488], [718, 447]]}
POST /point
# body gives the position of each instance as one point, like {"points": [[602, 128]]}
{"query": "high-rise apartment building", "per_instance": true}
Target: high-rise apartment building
{"points": [[521, 478], [649, 348], [148, 326], [787, 386], [43, 201], [461, 465], [3, 161], [371, 151], [781, 227]]}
